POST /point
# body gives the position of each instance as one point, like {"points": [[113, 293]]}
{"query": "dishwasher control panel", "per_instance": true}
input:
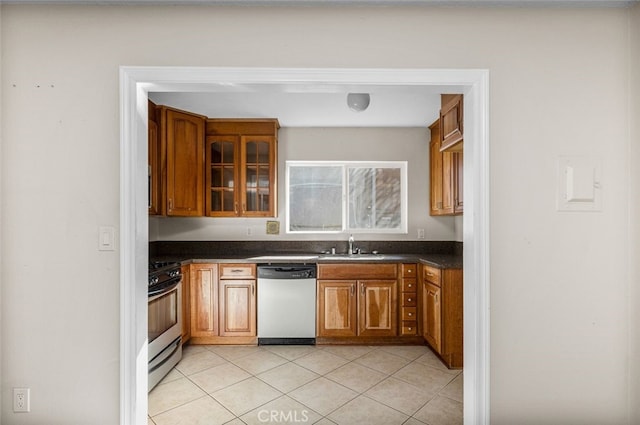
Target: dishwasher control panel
{"points": [[286, 271]]}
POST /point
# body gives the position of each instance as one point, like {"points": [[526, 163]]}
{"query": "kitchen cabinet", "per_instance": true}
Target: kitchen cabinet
{"points": [[409, 300], [446, 177], [442, 315], [237, 300], [241, 164], [184, 141], [223, 303], [186, 304], [337, 309], [204, 300], [451, 122], [357, 300], [154, 161]]}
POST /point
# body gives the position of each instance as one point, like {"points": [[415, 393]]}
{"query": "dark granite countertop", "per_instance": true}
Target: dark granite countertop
{"points": [[444, 255], [442, 261]]}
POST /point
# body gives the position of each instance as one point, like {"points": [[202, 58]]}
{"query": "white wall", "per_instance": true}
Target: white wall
{"points": [[634, 234], [560, 282], [357, 144]]}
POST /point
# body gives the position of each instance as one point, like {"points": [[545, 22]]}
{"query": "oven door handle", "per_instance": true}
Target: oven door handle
{"points": [[173, 347], [166, 287]]}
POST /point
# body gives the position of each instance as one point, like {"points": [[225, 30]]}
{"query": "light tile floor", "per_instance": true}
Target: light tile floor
{"points": [[344, 385]]}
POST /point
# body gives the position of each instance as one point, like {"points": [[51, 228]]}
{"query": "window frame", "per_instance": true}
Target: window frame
{"points": [[346, 166]]}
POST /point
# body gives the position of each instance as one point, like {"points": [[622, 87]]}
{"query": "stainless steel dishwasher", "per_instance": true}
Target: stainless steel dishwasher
{"points": [[286, 304]]}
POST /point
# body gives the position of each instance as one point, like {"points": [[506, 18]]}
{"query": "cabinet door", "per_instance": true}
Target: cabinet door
{"points": [[435, 170], [154, 170], [223, 176], [377, 308], [431, 315], [204, 299], [451, 122], [185, 164], [186, 304], [336, 308], [441, 173], [258, 176], [237, 307], [458, 203]]}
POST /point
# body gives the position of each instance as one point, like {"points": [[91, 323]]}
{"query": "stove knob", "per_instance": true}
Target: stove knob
{"points": [[154, 280], [174, 273]]}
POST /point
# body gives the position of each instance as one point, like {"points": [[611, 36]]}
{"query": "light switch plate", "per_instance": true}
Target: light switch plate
{"points": [[579, 184], [106, 238]]}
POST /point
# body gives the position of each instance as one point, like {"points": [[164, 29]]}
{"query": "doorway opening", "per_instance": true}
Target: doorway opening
{"points": [[137, 82]]}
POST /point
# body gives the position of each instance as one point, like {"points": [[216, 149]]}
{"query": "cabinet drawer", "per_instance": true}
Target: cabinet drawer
{"points": [[431, 274], [409, 299], [409, 285], [409, 328], [237, 271], [409, 270], [409, 313]]}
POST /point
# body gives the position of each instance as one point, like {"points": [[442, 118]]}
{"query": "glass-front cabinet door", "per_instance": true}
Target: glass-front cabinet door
{"points": [[241, 176], [222, 176], [258, 175]]}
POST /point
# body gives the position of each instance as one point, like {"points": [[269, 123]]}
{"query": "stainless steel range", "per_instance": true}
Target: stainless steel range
{"points": [[165, 319]]}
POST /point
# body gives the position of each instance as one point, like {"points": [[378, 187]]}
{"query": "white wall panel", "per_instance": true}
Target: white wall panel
{"points": [[560, 283]]}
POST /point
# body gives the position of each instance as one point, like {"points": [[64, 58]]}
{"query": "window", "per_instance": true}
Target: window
{"points": [[353, 196]]}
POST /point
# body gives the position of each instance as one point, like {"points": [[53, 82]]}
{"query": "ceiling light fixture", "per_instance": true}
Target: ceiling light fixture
{"points": [[358, 101]]}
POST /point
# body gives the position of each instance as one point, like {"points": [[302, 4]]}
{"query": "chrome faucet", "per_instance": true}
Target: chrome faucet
{"points": [[351, 240]]}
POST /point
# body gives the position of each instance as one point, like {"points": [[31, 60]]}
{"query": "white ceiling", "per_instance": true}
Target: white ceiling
{"points": [[310, 106]]}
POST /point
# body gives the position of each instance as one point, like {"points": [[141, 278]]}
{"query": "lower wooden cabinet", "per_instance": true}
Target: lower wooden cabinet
{"points": [[349, 306], [409, 300], [223, 303], [186, 304], [377, 311], [237, 307], [337, 308], [431, 328], [204, 300], [442, 319]]}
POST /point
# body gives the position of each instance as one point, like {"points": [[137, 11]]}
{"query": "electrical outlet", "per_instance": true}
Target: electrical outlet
{"points": [[21, 402], [420, 233], [248, 231]]}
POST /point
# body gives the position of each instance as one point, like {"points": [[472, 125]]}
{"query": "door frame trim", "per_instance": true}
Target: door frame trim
{"points": [[136, 82]]}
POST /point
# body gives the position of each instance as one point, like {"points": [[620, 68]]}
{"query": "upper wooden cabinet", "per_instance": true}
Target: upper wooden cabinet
{"points": [[176, 162], [154, 161], [446, 177], [211, 167], [451, 121], [185, 163], [241, 166]]}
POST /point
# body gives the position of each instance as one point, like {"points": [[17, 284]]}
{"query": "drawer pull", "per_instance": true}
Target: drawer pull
{"points": [[430, 274], [236, 271], [410, 329], [410, 285], [410, 314], [409, 300]]}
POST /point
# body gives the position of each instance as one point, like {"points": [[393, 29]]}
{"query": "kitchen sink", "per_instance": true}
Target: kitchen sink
{"points": [[352, 257]]}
